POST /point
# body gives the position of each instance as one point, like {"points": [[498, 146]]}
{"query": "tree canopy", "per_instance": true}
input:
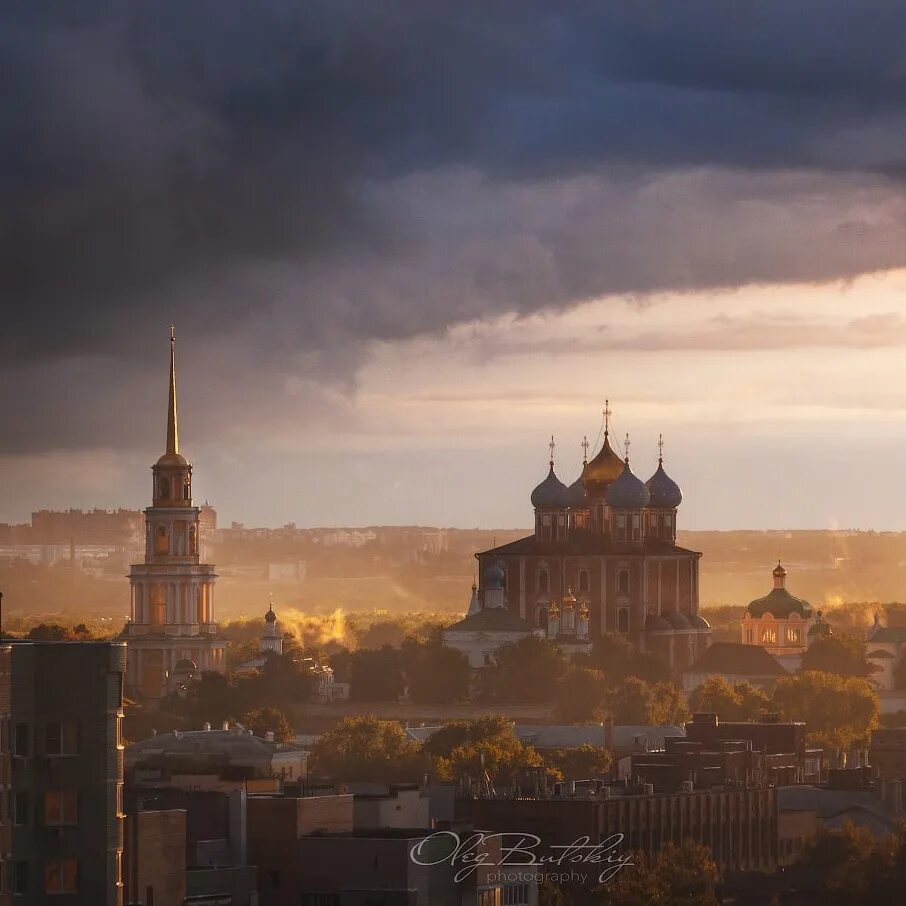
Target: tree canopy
{"points": [[263, 720], [839, 653], [365, 748], [839, 712], [636, 702], [527, 671], [741, 701]]}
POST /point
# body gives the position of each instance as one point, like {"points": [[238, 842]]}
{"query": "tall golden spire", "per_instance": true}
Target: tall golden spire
{"points": [[172, 427]]}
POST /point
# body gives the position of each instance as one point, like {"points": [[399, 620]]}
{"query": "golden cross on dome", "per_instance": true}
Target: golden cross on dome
{"points": [[660, 449], [552, 445], [585, 445], [626, 447], [607, 413]]}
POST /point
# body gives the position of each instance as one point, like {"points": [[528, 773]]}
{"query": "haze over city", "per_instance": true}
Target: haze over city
{"points": [[395, 273]]}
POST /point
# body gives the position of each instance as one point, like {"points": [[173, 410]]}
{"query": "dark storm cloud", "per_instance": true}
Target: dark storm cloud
{"points": [[287, 177]]}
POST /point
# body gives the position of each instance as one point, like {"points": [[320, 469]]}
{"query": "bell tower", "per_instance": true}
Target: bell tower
{"points": [[172, 614]]}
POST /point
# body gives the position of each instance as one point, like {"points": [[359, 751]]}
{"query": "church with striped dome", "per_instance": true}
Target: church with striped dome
{"points": [[606, 546]]}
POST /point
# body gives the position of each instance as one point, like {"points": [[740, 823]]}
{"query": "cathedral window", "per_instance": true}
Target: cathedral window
{"points": [[792, 635], [163, 488], [769, 636], [584, 582], [623, 619], [541, 616], [623, 581], [544, 581]]}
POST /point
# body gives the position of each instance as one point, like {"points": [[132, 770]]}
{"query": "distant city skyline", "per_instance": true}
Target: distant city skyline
{"points": [[776, 404]]}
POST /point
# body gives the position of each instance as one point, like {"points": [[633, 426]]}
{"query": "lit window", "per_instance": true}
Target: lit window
{"points": [[61, 807], [62, 877], [768, 636], [792, 635]]}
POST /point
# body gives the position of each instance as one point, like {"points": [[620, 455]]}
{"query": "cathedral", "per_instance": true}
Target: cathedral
{"points": [[603, 559], [171, 633]]}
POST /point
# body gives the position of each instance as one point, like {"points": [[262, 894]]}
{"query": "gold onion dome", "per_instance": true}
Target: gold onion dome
{"points": [[569, 600], [552, 609], [603, 469]]}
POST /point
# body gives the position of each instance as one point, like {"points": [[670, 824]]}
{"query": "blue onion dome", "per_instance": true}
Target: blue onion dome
{"points": [[628, 491], [665, 492], [494, 576], [575, 495], [699, 622], [551, 493], [185, 666]]}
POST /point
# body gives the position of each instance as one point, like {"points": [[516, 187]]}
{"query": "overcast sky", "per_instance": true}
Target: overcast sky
{"points": [[403, 243]]}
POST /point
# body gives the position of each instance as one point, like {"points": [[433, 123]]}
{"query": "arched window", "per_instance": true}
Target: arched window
{"points": [[163, 488], [769, 636], [623, 581], [541, 616], [792, 635], [544, 581], [623, 619], [584, 581]]}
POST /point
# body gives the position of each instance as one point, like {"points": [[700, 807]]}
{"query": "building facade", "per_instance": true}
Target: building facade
{"points": [[172, 632], [67, 772], [6, 792], [606, 547]]}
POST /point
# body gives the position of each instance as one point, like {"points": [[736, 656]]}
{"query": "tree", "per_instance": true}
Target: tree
{"points": [[376, 675], [528, 670], [838, 711], [549, 894], [856, 867], [438, 674], [581, 695], [682, 875], [839, 653], [49, 632], [471, 747], [740, 702], [263, 720], [581, 762], [455, 733], [365, 748], [636, 702], [616, 657]]}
